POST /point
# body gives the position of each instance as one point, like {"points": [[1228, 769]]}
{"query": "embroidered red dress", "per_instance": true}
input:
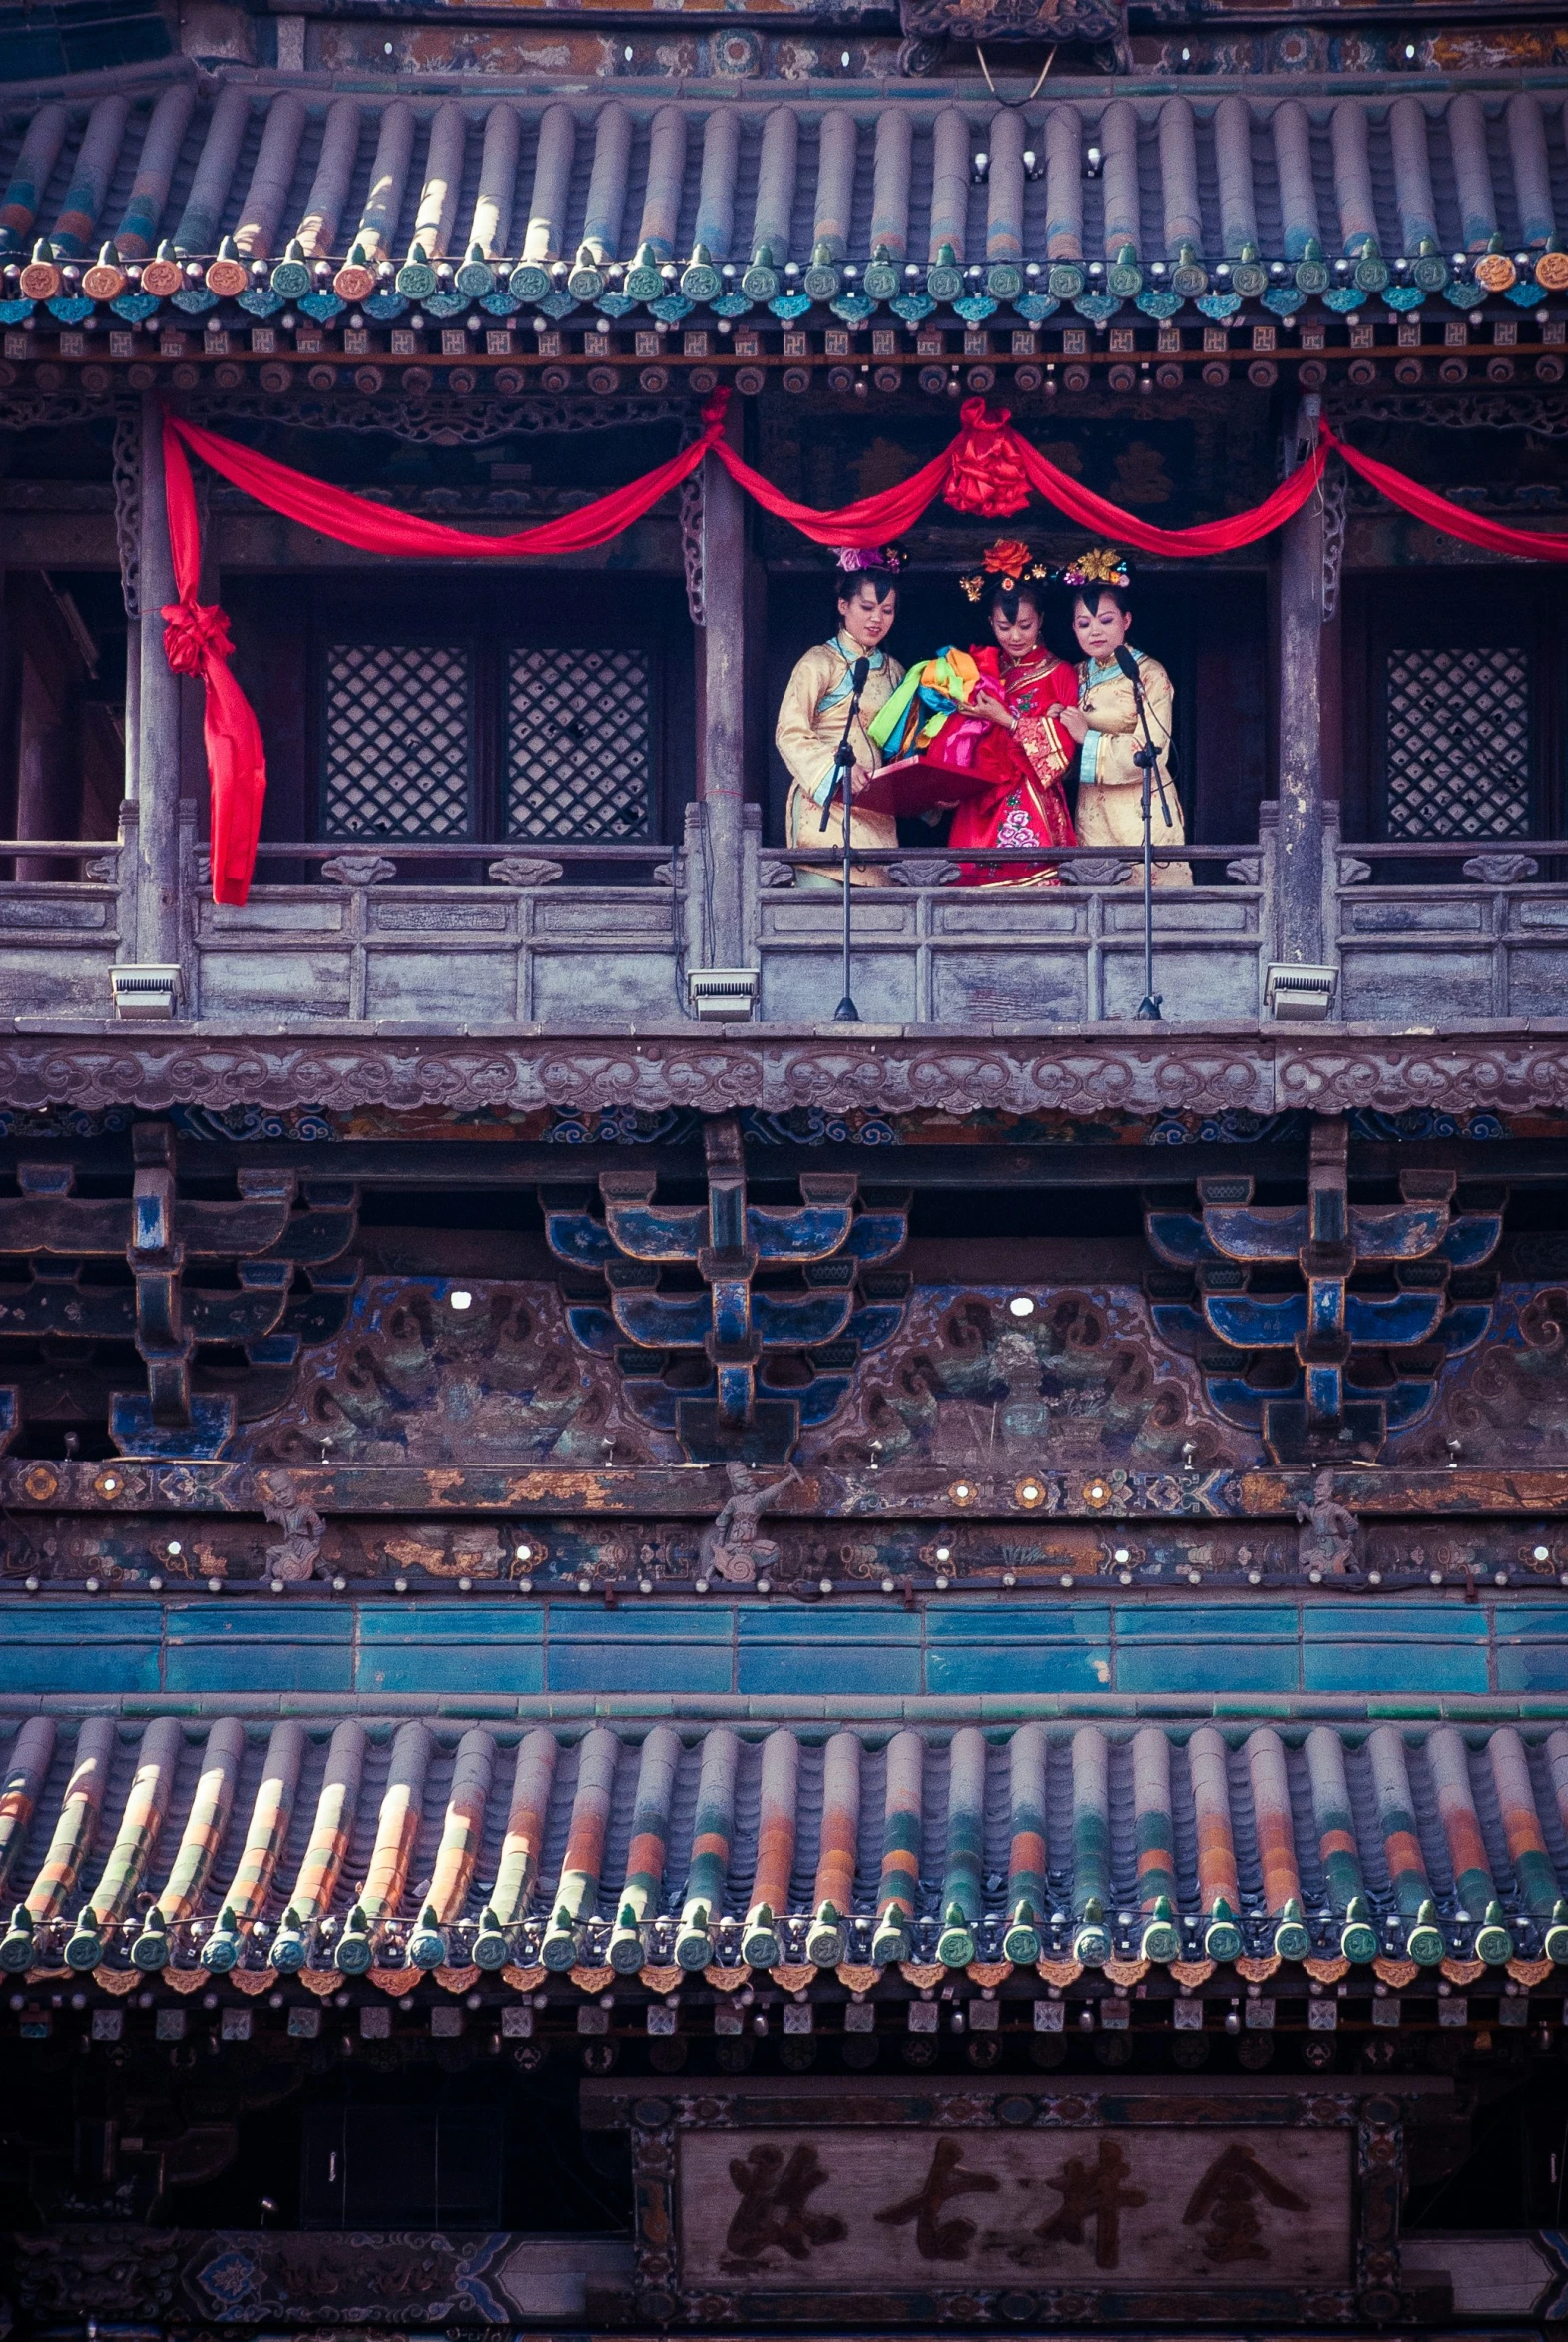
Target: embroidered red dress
{"points": [[1027, 806]]}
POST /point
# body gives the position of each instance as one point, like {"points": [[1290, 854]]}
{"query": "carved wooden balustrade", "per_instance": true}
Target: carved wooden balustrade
{"points": [[928, 951], [449, 937], [464, 937], [1439, 935], [61, 934]]}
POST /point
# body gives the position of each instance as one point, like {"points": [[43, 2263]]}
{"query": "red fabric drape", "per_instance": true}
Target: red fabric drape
{"points": [[987, 469], [197, 640], [873, 521], [981, 471], [1439, 513], [375, 528], [1182, 544]]}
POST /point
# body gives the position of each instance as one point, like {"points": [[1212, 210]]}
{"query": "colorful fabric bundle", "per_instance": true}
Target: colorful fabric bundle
{"points": [[932, 691]]}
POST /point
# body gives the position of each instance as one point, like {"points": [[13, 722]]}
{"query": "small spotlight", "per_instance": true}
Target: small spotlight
{"points": [[1021, 1305], [461, 1299]]}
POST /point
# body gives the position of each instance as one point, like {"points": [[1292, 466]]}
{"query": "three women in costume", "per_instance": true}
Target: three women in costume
{"points": [[1008, 713]]}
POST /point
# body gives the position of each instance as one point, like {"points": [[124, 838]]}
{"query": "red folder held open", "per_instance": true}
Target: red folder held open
{"points": [[913, 784]]}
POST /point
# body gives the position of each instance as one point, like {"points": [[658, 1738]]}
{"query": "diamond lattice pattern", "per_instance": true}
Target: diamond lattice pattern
{"points": [[398, 722], [1458, 744], [577, 744]]}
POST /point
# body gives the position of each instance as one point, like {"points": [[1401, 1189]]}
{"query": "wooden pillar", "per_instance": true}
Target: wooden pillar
{"points": [[158, 719], [1299, 862], [133, 701], [722, 766]]}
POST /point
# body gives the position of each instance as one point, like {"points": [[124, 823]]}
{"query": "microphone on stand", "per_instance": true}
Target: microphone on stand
{"points": [[1147, 759], [844, 766], [1150, 755], [844, 754]]}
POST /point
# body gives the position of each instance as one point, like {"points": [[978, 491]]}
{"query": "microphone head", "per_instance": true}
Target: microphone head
{"points": [[1126, 663], [859, 673]]}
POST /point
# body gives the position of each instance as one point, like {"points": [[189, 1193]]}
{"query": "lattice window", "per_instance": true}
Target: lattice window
{"points": [[398, 727], [578, 745], [1459, 750]]}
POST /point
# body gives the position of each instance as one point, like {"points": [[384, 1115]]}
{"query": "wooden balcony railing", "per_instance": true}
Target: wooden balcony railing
{"points": [[463, 936]]}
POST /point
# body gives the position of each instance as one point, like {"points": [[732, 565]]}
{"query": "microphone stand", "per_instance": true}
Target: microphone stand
{"points": [[1147, 759], [843, 773]]}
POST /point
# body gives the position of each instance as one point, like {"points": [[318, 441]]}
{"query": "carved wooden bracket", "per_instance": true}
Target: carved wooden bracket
{"points": [[1325, 1372], [736, 1370]]}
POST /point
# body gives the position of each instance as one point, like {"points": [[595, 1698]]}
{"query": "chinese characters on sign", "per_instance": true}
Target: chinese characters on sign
{"points": [[904, 2207]]}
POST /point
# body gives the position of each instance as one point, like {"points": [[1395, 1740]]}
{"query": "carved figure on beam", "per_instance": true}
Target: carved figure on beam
{"points": [[1331, 1533], [731, 1548]]}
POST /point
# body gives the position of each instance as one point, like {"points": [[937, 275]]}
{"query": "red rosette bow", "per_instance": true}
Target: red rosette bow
{"points": [[196, 633], [984, 476]]}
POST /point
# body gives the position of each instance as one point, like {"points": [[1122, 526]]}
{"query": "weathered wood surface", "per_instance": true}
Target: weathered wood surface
{"points": [[692, 1492], [1065, 956], [807, 2208]]}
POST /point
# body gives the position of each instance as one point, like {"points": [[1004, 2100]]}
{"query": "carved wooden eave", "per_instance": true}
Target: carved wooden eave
{"points": [[1505, 1068]]}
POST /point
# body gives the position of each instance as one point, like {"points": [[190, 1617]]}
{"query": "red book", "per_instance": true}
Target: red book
{"points": [[913, 784]]}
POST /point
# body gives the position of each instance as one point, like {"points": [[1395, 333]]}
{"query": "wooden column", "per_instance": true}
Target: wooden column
{"points": [[1300, 854], [722, 766], [158, 721]]}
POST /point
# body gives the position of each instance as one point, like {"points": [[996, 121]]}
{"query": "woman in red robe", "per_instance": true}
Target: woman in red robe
{"points": [[1023, 691]]}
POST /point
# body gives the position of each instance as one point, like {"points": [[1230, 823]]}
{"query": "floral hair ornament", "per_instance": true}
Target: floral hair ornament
{"points": [[1008, 559], [1101, 565], [853, 558]]}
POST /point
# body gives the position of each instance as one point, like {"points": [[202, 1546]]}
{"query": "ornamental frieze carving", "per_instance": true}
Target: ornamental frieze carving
{"points": [[1098, 24], [1075, 1070]]}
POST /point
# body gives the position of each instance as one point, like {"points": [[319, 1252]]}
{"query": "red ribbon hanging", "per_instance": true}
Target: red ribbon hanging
{"points": [[873, 521], [1202, 543], [197, 640], [375, 528], [987, 470], [1439, 513]]}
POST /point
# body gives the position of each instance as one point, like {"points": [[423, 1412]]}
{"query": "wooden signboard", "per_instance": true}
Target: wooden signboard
{"points": [[792, 2209], [819, 2202]]}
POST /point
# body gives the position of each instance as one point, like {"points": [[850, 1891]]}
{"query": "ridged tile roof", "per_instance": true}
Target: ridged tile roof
{"points": [[913, 1838], [538, 178]]}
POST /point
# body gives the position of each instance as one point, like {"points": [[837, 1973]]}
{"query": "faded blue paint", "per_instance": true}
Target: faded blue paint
{"points": [[837, 1650]]}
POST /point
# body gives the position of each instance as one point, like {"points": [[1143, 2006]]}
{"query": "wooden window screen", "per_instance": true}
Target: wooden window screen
{"points": [[579, 744], [398, 740]]}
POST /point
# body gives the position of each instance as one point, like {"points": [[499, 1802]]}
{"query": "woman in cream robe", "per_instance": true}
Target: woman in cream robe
{"points": [[810, 725], [1109, 810]]}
